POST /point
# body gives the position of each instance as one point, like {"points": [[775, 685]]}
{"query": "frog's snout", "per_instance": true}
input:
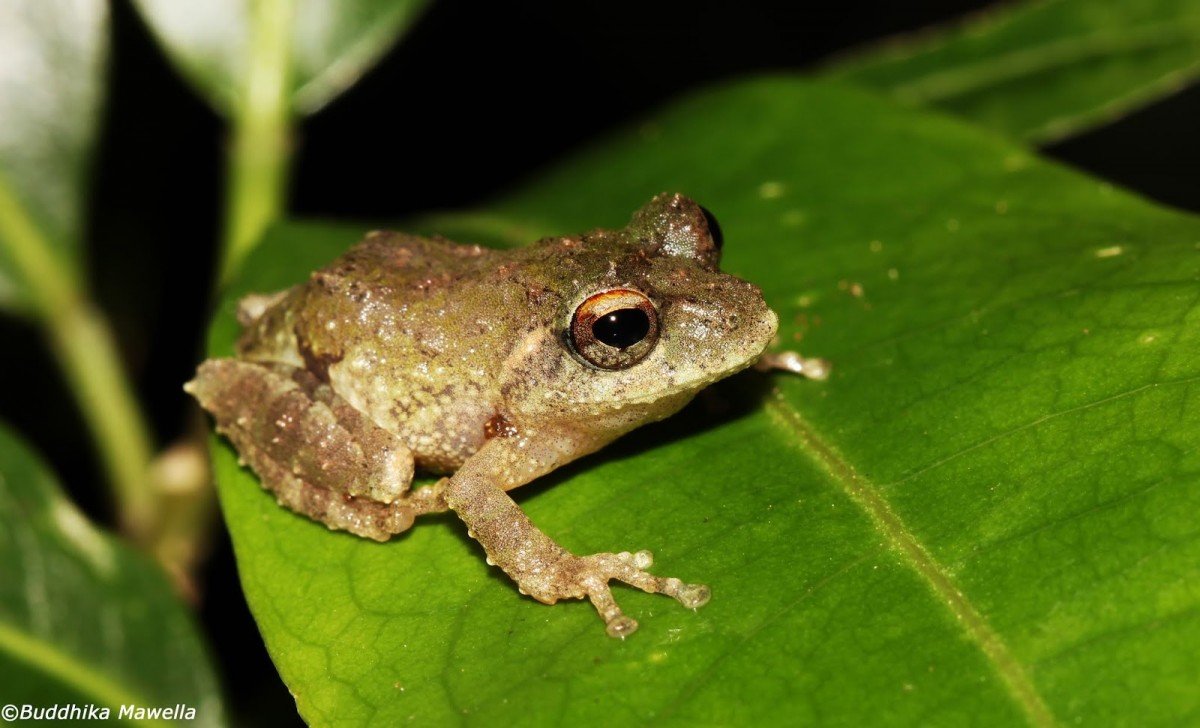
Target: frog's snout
{"points": [[771, 323]]}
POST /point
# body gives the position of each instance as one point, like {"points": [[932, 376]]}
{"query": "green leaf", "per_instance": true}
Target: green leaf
{"points": [[332, 43], [985, 516], [50, 81], [1041, 71], [85, 621]]}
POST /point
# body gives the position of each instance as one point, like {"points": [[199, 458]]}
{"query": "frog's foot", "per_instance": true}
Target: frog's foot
{"points": [[580, 576], [361, 516]]}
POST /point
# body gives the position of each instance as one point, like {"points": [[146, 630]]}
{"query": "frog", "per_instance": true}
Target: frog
{"points": [[489, 368]]}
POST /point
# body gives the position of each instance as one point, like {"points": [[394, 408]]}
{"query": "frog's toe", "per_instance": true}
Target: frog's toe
{"points": [[616, 622], [630, 568], [622, 626], [692, 596]]}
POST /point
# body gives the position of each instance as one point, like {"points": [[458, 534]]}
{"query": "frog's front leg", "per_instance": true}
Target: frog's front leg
{"points": [[319, 455], [542, 568]]}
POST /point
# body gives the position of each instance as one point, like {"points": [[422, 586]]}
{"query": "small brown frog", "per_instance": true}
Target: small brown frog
{"points": [[495, 367]]}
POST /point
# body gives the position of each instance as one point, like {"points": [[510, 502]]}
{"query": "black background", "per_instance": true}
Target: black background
{"points": [[477, 98]]}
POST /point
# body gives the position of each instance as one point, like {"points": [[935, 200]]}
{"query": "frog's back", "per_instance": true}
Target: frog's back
{"points": [[399, 260], [408, 330]]}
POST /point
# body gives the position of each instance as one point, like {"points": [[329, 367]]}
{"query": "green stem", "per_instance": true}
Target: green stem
{"points": [[51, 284], [88, 356], [261, 116], [90, 360]]}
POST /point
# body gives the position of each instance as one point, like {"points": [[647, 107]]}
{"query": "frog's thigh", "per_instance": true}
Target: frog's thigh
{"points": [[320, 456]]}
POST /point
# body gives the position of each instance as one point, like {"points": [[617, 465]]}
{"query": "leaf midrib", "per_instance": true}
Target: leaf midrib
{"points": [[939, 86], [897, 534], [70, 670]]}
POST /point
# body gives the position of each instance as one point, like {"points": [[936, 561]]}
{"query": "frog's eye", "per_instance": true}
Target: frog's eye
{"points": [[714, 228], [614, 329]]}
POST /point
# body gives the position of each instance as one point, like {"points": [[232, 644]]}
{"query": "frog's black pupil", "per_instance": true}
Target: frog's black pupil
{"points": [[622, 328], [714, 229]]}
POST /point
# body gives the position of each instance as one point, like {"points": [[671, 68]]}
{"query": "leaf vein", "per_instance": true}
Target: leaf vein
{"points": [[1031, 424], [685, 694], [898, 535]]}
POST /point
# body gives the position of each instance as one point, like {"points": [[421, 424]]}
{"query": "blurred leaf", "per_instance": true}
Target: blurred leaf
{"points": [[984, 517], [83, 619], [52, 56], [1041, 71], [333, 42]]}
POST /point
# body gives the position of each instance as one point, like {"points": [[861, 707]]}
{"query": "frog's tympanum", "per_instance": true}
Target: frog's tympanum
{"points": [[492, 367]]}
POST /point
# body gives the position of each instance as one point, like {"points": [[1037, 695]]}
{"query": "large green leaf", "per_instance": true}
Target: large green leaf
{"points": [[1041, 71], [85, 621], [54, 52], [332, 42], [985, 516]]}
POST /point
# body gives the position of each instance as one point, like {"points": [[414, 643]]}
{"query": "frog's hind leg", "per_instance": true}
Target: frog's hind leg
{"points": [[337, 510], [320, 456]]}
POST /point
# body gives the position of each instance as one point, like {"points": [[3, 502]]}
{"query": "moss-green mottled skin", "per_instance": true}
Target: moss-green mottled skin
{"points": [[412, 352]]}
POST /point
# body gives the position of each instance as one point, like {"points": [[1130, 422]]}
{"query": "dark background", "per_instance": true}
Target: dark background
{"points": [[477, 98]]}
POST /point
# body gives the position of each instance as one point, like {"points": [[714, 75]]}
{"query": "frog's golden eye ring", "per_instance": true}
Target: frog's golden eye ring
{"points": [[614, 329], [714, 228]]}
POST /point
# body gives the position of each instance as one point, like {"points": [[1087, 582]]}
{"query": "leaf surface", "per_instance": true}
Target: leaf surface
{"points": [[1041, 71], [984, 516], [84, 620], [50, 81]]}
